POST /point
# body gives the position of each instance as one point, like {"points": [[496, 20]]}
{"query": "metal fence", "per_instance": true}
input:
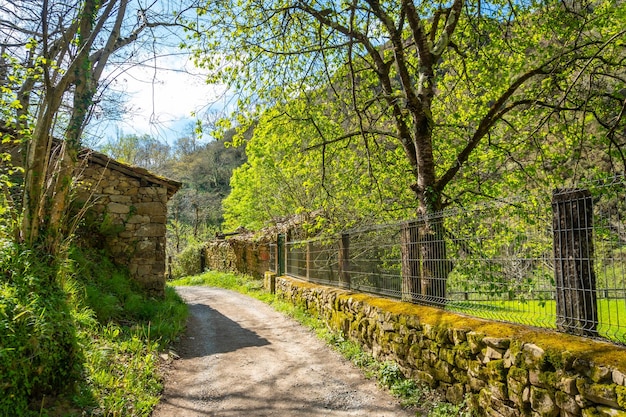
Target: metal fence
{"points": [[557, 261]]}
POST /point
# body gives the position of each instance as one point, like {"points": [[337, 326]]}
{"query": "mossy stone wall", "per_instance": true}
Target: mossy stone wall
{"points": [[127, 217], [502, 369], [244, 256]]}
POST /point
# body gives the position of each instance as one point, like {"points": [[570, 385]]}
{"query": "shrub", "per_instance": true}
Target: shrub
{"points": [[187, 262]]}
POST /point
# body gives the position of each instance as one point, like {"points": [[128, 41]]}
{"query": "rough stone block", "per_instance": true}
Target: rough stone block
{"points": [[137, 219], [117, 208], [150, 209], [492, 353], [598, 393], [124, 199], [533, 354], [151, 230], [610, 412], [476, 384], [568, 385], [543, 379], [498, 390], [455, 393], [499, 343], [111, 190], [567, 402], [475, 341], [459, 336], [542, 402]]}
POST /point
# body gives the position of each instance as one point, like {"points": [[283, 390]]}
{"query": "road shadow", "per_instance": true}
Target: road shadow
{"points": [[209, 332]]}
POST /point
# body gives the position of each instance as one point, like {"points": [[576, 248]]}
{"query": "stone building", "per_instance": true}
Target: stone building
{"points": [[123, 209], [126, 215]]}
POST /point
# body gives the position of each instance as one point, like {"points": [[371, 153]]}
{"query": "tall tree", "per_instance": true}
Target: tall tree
{"points": [[438, 77], [54, 54]]}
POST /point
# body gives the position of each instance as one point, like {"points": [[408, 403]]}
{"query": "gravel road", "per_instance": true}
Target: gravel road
{"points": [[239, 357]]}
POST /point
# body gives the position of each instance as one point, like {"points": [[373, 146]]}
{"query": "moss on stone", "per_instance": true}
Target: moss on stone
{"points": [[601, 353], [620, 391], [442, 344], [496, 370]]}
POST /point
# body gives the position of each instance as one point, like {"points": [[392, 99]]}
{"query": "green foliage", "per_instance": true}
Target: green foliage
{"points": [[142, 151], [241, 283], [512, 97], [122, 332], [187, 262], [290, 171], [39, 349], [444, 409], [80, 331], [205, 170]]}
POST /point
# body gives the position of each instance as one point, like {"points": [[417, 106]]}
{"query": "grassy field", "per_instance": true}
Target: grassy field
{"points": [[611, 314]]}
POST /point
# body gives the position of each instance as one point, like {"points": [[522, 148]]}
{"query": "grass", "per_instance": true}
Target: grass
{"points": [[123, 332], [84, 338], [611, 314], [388, 374]]}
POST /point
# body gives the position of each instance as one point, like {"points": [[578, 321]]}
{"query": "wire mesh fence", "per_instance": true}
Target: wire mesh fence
{"points": [[554, 261]]}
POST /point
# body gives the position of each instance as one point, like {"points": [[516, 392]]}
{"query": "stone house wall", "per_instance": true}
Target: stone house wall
{"points": [[501, 369], [127, 216]]}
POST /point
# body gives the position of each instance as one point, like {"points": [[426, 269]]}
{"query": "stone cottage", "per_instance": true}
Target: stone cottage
{"points": [[125, 212], [126, 215]]}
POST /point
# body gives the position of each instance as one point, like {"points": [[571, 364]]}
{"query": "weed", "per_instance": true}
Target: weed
{"points": [[443, 409]]}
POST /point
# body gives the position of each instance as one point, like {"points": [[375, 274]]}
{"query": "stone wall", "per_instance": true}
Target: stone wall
{"points": [[239, 254], [502, 369], [127, 215]]}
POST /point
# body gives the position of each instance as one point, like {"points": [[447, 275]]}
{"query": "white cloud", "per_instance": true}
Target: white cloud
{"points": [[162, 95]]}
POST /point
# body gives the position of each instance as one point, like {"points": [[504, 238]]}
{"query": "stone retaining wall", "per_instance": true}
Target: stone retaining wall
{"points": [[502, 369], [241, 255]]}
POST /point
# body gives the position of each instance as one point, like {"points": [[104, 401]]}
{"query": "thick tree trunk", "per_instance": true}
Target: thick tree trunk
{"points": [[35, 173], [435, 263], [63, 177]]}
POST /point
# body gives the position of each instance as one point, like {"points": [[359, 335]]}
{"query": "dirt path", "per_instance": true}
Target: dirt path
{"points": [[239, 358]]}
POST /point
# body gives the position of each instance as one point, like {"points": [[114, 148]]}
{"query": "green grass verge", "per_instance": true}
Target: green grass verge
{"points": [[388, 374], [611, 314], [77, 337]]}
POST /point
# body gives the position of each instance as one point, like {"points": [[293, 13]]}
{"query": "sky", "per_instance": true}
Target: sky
{"points": [[161, 98]]}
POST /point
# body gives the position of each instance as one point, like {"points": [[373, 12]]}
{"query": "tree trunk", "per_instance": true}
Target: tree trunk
{"points": [[435, 263], [411, 270]]}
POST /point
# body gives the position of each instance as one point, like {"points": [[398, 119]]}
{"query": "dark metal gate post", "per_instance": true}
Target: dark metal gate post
{"points": [[572, 223], [410, 261], [202, 258], [280, 255], [344, 261]]}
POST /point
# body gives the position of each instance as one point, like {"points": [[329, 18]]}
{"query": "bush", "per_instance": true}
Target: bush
{"points": [[187, 262], [38, 349]]}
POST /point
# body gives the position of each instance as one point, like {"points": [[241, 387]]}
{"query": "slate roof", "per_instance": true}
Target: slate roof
{"points": [[141, 174], [95, 157]]}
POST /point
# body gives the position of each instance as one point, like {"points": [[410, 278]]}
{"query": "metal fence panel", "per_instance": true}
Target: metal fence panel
{"points": [[495, 261]]}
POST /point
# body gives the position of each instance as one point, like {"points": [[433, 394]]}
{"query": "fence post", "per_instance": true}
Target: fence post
{"points": [[202, 258], [280, 255], [308, 260], [344, 261], [410, 261], [572, 223]]}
